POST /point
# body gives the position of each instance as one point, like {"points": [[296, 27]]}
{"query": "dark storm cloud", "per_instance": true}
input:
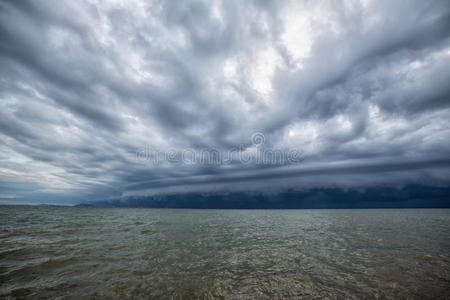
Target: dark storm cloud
{"points": [[360, 88]]}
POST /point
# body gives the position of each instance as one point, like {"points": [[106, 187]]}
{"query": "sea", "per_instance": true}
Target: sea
{"points": [[113, 253]]}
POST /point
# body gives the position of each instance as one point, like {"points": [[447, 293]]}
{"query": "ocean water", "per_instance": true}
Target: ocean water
{"points": [[92, 253]]}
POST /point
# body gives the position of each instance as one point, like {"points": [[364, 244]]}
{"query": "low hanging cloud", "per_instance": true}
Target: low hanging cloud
{"points": [[357, 91]]}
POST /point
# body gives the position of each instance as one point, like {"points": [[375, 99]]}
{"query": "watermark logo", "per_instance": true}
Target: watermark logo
{"points": [[258, 138], [253, 154]]}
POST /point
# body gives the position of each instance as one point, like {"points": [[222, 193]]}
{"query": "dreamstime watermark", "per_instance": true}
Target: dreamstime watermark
{"points": [[256, 153]]}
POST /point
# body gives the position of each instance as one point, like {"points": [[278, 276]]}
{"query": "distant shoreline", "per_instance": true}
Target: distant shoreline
{"points": [[205, 208]]}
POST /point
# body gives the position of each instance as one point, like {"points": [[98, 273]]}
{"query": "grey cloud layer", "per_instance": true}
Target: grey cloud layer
{"points": [[358, 87]]}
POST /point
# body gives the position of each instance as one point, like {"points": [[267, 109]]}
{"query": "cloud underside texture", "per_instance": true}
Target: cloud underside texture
{"points": [[361, 88]]}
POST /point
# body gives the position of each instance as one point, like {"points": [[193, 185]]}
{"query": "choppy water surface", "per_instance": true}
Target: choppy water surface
{"points": [[78, 253]]}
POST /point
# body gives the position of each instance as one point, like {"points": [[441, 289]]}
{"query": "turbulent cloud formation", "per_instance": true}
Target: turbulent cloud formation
{"points": [[360, 88]]}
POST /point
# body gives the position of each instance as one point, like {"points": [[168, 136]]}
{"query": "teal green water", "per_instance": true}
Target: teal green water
{"points": [[89, 253]]}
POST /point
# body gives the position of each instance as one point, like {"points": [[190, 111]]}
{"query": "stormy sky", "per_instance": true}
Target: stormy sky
{"points": [[114, 99]]}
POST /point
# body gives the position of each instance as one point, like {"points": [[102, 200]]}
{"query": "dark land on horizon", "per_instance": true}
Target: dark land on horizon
{"points": [[412, 196]]}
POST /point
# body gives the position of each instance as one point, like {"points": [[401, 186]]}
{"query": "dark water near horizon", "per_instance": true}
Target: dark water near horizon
{"points": [[92, 253]]}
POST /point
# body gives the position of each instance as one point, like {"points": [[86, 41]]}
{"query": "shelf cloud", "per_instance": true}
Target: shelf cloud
{"points": [[117, 99]]}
